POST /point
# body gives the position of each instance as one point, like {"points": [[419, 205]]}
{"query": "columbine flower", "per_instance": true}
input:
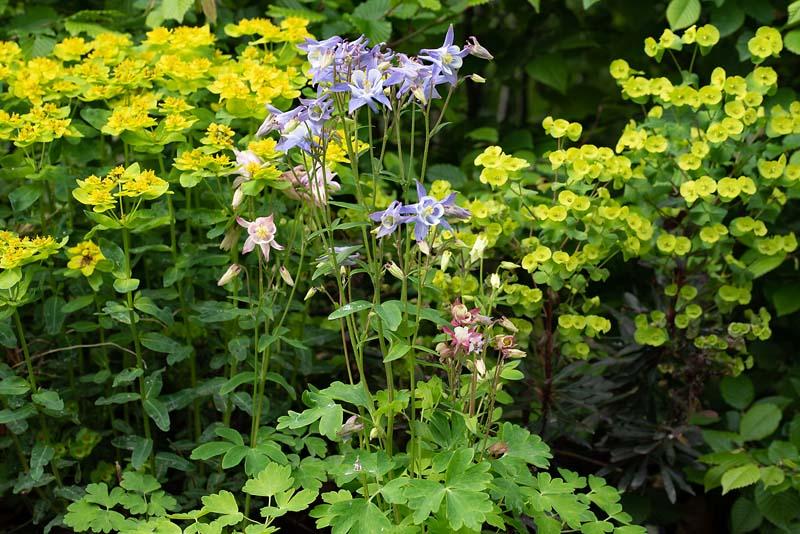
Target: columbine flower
{"points": [[84, 257], [428, 212], [321, 56], [260, 232], [464, 338], [390, 219], [366, 87], [314, 186], [248, 164], [448, 57]]}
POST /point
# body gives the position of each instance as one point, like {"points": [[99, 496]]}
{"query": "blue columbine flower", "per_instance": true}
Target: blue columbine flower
{"points": [[390, 219], [448, 57], [428, 212], [366, 88]]}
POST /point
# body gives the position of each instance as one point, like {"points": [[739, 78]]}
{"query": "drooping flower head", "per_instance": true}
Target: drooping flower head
{"points": [[260, 232], [314, 185]]}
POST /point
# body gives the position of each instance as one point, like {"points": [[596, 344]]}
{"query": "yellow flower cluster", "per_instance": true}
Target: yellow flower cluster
{"points": [[498, 166], [84, 257], [105, 193], [558, 128], [16, 251], [140, 85], [590, 162]]}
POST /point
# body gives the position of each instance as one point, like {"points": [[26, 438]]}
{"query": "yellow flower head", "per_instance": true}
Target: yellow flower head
{"points": [[84, 257]]}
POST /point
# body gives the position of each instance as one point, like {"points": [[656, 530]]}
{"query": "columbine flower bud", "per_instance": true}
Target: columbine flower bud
{"points": [[475, 49], [494, 281], [515, 353], [506, 323], [460, 313], [230, 239], [480, 367], [477, 78], [232, 273], [310, 293], [396, 271], [424, 247], [478, 247], [446, 255], [508, 265], [238, 197], [373, 433], [287, 277], [445, 351], [498, 449]]}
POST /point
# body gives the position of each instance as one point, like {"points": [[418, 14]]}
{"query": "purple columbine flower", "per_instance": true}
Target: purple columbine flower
{"points": [[428, 212], [448, 57], [277, 120], [390, 219], [321, 56], [366, 87]]}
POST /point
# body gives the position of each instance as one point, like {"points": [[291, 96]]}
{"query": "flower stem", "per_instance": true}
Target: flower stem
{"points": [[137, 346]]}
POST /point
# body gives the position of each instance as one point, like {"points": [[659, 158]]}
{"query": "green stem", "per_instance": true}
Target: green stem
{"points": [[137, 346]]}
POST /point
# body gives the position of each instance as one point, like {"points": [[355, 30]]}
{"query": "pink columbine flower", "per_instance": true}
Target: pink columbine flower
{"points": [[465, 339], [260, 232]]}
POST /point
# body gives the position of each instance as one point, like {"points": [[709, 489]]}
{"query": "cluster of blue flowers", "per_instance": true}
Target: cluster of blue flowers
{"points": [[425, 214], [374, 76], [369, 75]]}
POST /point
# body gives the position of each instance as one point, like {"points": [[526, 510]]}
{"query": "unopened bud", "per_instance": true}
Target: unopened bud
{"points": [[480, 367], [230, 239], [515, 353], [396, 271], [476, 49], [446, 255], [287, 277], [498, 449], [310, 293], [238, 196], [478, 247], [506, 323], [508, 265], [477, 78], [232, 273], [494, 281], [424, 247], [373, 433]]}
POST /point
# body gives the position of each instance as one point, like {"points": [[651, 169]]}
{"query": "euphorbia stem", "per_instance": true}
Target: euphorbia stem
{"points": [[137, 346], [32, 380], [26, 353]]}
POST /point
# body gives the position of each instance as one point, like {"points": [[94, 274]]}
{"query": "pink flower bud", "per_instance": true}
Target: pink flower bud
{"points": [[232, 273]]}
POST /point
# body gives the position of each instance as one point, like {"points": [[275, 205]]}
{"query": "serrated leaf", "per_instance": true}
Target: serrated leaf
{"points": [[739, 477], [759, 422]]}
